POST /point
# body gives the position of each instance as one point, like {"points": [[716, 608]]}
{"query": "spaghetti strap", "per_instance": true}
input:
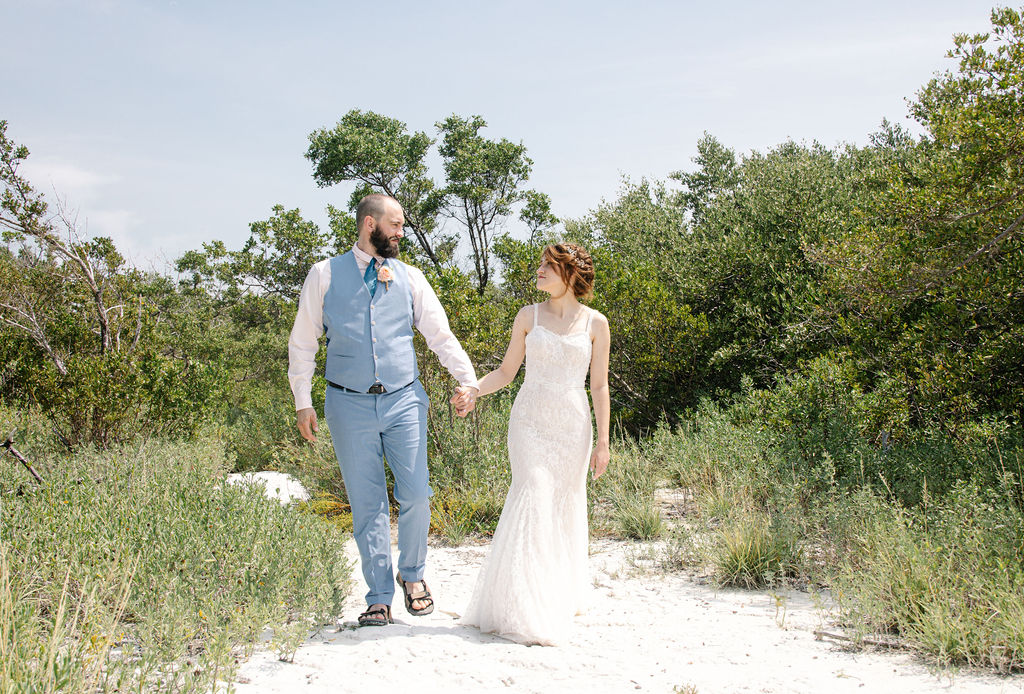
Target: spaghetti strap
{"points": [[590, 317], [535, 307]]}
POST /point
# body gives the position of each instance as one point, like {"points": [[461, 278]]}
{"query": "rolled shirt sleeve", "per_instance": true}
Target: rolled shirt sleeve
{"points": [[432, 322], [304, 341]]}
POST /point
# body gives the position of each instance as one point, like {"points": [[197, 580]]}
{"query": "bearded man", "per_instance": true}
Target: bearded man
{"points": [[368, 302]]}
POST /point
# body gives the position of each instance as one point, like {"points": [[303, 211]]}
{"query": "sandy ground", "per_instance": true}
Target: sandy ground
{"points": [[646, 631]]}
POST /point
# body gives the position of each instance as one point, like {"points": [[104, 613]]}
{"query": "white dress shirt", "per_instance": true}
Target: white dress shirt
{"points": [[428, 317]]}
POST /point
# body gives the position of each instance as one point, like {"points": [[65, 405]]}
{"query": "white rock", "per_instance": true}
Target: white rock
{"points": [[276, 485]]}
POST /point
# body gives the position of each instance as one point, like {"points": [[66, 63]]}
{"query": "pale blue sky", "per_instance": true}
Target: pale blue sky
{"points": [[166, 124]]}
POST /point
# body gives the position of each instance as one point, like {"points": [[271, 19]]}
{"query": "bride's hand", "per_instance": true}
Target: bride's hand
{"points": [[464, 400], [599, 460]]}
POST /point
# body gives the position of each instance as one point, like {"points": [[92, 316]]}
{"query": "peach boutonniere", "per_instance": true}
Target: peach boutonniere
{"points": [[385, 275]]}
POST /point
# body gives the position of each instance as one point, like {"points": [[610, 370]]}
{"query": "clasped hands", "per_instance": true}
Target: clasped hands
{"points": [[464, 400]]}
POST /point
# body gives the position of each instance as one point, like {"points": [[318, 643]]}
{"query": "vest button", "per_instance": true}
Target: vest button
{"points": [[373, 322], [374, 339], [372, 307]]}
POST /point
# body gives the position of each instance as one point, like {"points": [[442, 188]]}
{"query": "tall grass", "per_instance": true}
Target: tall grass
{"points": [[138, 568], [947, 580], [468, 458], [922, 539], [622, 501]]}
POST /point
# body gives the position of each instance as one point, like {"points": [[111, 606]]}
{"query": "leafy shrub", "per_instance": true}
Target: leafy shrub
{"points": [[946, 578], [142, 557]]}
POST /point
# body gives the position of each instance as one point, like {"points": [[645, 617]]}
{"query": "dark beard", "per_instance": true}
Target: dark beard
{"points": [[382, 244]]}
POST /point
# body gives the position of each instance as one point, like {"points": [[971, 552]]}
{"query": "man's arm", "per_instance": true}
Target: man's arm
{"points": [[303, 344], [432, 322]]}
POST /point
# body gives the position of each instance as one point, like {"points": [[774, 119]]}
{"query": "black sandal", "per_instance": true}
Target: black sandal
{"points": [[423, 596], [380, 617]]}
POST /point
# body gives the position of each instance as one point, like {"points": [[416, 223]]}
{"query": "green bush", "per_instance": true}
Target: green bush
{"points": [[144, 558], [946, 578]]}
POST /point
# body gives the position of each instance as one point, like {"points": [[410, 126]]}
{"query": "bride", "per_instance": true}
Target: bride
{"points": [[535, 579]]}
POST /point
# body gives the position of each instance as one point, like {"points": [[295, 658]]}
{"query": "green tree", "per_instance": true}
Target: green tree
{"points": [[379, 154], [934, 270], [273, 262], [717, 173], [79, 328], [483, 184], [536, 214], [658, 347]]}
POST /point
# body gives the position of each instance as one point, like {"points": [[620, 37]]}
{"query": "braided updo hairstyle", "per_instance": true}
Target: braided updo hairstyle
{"points": [[575, 266]]}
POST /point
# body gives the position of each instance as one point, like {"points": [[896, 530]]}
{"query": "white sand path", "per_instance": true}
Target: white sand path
{"points": [[646, 631]]}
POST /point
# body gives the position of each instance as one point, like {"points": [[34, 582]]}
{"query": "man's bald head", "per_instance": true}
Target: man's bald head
{"points": [[380, 222], [373, 205]]}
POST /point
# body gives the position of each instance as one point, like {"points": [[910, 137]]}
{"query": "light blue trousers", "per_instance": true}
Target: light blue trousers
{"points": [[366, 429]]}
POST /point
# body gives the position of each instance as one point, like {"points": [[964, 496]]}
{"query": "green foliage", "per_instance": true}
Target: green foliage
{"points": [[482, 324], [272, 264], [946, 579], [468, 459], [751, 553], [483, 182], [747, 269], [537, 215], [657, 341], [717, 174], [379, 155], [932, 273], [83, 331], [20, 212], [484, 178], [107, 399], [144, 559]]}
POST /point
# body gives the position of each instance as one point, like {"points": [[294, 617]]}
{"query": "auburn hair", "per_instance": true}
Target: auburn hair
{"points": [[575, 266]]}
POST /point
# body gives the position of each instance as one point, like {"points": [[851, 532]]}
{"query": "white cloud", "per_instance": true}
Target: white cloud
{"points": [[89, 199], [66, 180], [117, 224]]}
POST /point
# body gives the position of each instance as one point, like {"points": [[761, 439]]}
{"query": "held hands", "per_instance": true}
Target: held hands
{"points": [[464, 400], [307, 423], [599, 459]]}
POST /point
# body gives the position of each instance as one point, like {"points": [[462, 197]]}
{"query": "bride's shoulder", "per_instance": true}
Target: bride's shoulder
{"points": [[597, 317], [527, 311], [598, 321], [525, 314]]}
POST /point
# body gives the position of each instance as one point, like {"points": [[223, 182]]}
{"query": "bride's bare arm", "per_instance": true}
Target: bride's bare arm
{"points": [[599, 392], [503, 375]]}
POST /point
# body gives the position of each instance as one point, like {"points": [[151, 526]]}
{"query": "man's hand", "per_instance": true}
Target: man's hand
{"points": [[307, 423], [599, 460], [464, 400]]}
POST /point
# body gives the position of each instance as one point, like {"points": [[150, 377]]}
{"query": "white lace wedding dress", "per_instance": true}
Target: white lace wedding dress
{"points": [[535, 579]]}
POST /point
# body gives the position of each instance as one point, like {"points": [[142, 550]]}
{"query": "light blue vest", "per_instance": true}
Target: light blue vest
{"points": [[369, 338]]}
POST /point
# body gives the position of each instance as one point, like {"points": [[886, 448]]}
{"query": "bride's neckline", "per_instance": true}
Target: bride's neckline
{"points": [[552, 332], [574, 321]]}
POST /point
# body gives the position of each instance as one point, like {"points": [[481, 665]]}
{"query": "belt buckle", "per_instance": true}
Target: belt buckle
{"points": [[376, 389]]}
